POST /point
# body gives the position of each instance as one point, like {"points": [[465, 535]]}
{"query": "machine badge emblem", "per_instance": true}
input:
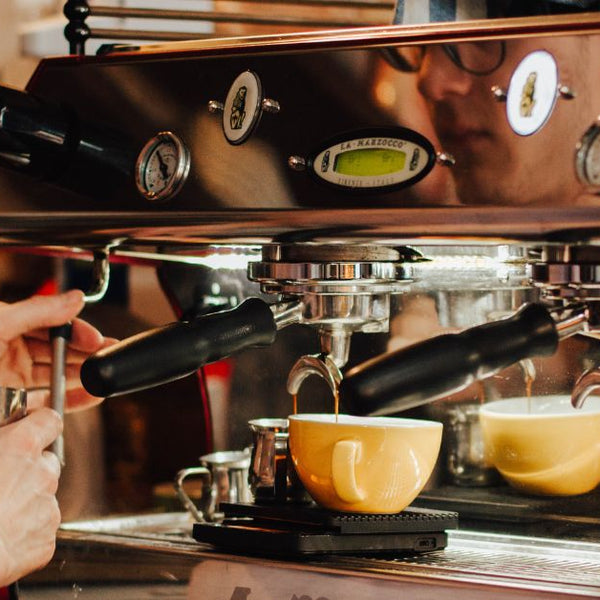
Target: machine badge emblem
{"points": [[238, 109], [528, 95], [532, 93], [242, 109]]}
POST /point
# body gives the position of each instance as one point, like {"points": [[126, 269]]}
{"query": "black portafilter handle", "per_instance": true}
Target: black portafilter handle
{"points": [[178, 349], [436, 367]]}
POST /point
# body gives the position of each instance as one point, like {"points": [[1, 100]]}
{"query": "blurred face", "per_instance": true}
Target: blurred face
{"points": [[493, 164]]}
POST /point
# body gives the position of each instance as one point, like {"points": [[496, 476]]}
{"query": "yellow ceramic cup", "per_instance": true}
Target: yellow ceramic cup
{"points": [[542, 445], [363, 464]]}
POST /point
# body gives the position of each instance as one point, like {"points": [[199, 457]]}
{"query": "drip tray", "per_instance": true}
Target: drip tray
{"points": [[307, 529], [503, 503]]}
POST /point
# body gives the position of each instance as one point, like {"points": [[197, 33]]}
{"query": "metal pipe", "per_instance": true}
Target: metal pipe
{"points": [[320, 365], [399, 35], [570, 319], [60, 337], [100, 276], [212, 16], [349, 4], [141, 34]]}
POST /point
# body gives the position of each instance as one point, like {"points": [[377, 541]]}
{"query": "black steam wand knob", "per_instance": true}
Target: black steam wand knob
{"points": [[448, 363]]}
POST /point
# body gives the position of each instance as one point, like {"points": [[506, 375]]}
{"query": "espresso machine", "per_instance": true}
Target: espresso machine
{"points": [[281, 163]]}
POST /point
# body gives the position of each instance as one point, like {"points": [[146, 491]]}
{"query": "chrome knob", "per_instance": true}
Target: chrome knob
{"points": [[214, 106], [297, 163], [271, 106]]}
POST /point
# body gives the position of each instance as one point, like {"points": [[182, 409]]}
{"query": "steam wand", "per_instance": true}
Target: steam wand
{"points": [[60, 337]]}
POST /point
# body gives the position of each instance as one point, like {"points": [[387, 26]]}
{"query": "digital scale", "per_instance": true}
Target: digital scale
{"points": [[297, 530]]}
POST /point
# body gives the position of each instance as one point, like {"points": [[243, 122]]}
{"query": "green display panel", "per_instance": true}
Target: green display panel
{"points": [[368, 162]]}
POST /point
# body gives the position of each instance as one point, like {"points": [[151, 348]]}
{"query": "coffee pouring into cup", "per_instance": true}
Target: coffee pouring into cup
{"points": [[358, 464]]}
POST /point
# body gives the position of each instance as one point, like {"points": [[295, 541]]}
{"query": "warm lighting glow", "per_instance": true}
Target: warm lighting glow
{"points": [[385, 93]]}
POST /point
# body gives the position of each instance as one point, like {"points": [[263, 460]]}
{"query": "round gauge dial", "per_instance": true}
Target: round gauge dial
{"points": [[587, 157], [162, 167]]}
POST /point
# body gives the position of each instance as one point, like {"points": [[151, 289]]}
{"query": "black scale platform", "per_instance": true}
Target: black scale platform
{"points": [[291, 529]]}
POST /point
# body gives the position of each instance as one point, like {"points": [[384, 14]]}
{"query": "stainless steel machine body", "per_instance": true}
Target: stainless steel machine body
{"points": [[401, 263]]}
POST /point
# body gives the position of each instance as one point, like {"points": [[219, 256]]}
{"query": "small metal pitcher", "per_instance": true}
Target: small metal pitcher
{"points": [[268, 463], [225, 479]]}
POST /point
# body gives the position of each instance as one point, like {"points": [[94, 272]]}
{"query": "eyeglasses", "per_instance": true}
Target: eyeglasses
{"points": [[476, 58]]}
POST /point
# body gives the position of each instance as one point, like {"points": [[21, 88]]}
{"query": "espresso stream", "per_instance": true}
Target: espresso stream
{"points": [[528, 388]]}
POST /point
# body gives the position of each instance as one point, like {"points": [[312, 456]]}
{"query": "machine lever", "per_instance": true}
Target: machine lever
{"points": [[447, 363], [178, 349]]}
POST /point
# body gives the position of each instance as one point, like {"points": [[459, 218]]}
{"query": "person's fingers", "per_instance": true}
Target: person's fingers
{"points": [[84, 337], [48, 513], [37, 398], [34, 432], [41, 375], [40, 351], [75, 399], [38, 312], [51, 464]]}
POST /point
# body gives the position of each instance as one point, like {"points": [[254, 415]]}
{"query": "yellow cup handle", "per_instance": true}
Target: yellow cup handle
{"points": [[343, 470]]}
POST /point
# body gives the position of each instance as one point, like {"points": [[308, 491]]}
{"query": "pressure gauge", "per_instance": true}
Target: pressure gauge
{"points": [[587, 156], [162, 167]]}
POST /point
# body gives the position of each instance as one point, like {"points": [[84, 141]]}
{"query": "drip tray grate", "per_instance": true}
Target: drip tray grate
{"points": [[501, 557]]}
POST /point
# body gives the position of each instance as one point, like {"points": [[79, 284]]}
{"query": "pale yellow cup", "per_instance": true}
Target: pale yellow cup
{"points": [[363, 464], [542, 445]]}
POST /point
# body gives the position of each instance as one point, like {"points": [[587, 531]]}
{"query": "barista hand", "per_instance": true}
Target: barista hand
{"points": [[25, 351], [29, 513]]}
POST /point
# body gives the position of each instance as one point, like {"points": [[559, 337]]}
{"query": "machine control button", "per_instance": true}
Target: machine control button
{"points": [[162, 167], [243, 107], [532, 93]]}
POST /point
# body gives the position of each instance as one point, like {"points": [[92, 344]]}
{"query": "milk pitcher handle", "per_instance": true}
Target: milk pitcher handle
{"points": [[203, 513]]}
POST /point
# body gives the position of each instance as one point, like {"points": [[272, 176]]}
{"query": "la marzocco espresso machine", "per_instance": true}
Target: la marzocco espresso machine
{"points": [[304, 174]]}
